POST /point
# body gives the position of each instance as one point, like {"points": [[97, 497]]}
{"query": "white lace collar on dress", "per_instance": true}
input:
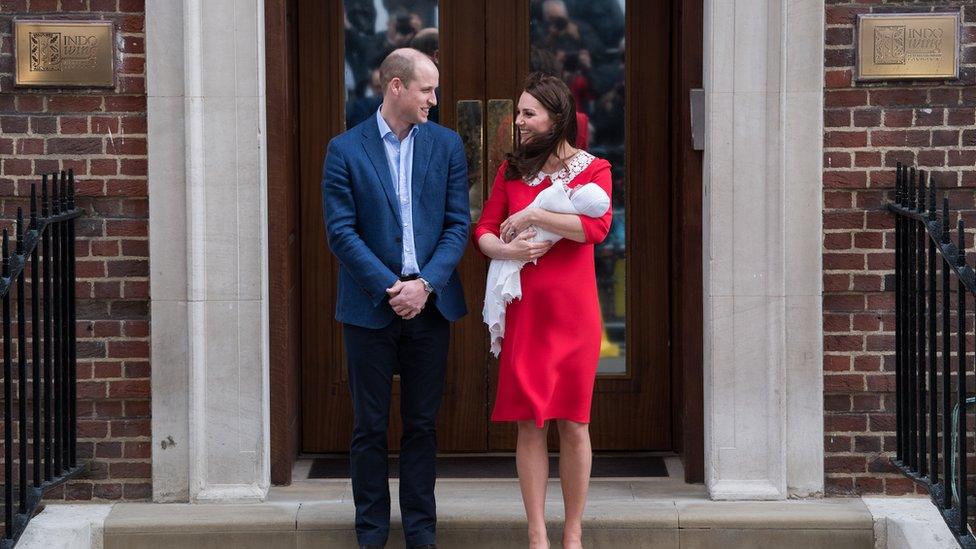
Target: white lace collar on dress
{"points": [[574, 166]]}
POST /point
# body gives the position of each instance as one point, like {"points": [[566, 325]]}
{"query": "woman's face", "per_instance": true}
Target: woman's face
{"points": [[532, 119]]}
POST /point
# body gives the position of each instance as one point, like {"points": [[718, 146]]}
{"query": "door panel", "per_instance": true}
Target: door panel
{"points": [[485, 51]]}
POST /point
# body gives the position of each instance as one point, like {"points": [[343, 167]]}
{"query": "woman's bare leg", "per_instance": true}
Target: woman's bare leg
{"points": [[575, 461], [532, 463]]}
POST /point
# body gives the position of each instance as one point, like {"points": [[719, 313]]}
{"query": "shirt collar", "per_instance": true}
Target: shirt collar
{"points": [[386, 130]]}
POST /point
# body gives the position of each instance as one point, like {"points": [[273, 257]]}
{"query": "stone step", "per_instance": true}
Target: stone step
{"points": [[488, 515]]}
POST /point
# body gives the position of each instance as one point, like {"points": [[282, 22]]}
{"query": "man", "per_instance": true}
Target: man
{"points": [[395, 200]]}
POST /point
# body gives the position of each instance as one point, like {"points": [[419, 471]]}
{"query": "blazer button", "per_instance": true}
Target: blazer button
{"points": [[398, 239]]}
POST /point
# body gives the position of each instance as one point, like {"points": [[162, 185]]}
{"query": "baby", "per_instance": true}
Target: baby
{"points": [[504, 281]]}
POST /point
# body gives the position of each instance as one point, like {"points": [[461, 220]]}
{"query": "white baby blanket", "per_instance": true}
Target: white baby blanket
{"points": [[504, 281]]}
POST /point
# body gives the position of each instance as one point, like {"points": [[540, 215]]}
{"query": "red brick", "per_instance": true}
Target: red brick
{"points": [[837, 363], [131, 166], [837, 78], [134, 124], [138, 408], [845, 98], [837, 282], [837, 199], [109, 491], [843, 261], [129, 388], [27, 146], [837, 118], [944, 96], [846, 139], [843, 383], [837, 241], [898, 97], [843, 15], [945, 138], [961, 117], [849, 302], [962, 158], [867, 363], [866, 118], [74, 103], [124, 469], [126, 227], [867, 159], [138, 450], [100, 166], [131, 428], [845, 423], [108, 450], [105, 125], [929, 117], [881, 382], [931, 158], [30, 103], [136, 490], [898, 118], [76, 491], [900, 138], [74, 145], [126, 187], [844, 180], [844, 464], [835, 443], [108, 409], [125, 104]]}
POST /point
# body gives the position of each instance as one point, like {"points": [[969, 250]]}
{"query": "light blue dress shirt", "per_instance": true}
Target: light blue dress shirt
{"points": [[399, 157]]}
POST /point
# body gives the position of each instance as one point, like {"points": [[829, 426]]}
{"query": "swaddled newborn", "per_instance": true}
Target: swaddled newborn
{"points": [[504, 281]]}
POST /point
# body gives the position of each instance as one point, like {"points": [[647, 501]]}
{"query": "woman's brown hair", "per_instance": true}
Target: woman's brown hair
{"points": [[555, 97]]}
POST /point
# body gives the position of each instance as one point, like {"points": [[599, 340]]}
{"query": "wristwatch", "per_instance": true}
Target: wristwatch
{"points": [[427, 286]]}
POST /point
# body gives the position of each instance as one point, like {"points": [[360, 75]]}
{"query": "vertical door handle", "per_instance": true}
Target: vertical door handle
{"points": [[470, 126]]}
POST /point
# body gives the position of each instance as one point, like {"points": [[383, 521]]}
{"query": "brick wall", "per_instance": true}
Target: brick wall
{"points": [[868, 129], [101, 133]]}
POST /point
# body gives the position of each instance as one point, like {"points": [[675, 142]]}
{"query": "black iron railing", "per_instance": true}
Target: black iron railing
{"points": [[932, 284], [39, 382]]}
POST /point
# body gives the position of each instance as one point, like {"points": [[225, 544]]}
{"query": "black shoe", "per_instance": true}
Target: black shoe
{"points": [[428, 546], [369, 546]]}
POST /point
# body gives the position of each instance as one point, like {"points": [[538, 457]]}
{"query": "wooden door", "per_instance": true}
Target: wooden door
{"points": [[486, 47]]}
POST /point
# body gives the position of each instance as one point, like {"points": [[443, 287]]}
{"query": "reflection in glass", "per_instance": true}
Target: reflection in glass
{"points": [[374, 28], [582, 41]]}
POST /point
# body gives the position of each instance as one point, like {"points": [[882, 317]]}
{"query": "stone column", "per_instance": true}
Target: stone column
{"points": [[762, 216], [208, 240]]}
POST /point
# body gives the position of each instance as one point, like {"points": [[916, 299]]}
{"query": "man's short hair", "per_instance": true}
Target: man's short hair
{"points": [[396, 65]]}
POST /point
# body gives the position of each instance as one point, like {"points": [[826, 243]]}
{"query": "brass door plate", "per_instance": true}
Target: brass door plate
{"points": [[907, 46], [64, 53]]}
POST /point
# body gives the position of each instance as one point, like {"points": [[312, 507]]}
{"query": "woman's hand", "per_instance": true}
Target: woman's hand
{"points": [[523, 249], [516, 223]]}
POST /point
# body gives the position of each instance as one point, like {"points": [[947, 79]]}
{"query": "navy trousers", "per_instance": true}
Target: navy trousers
{"points": [[417, 350]]}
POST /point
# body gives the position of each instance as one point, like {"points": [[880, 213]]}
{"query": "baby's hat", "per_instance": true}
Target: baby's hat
{"points": [[590, 200]]}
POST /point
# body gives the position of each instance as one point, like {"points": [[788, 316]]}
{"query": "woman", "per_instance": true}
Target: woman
{"points": [[552, 337]]}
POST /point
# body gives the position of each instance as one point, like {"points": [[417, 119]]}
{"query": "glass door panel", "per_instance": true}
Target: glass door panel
{"points": [[582, 42]]}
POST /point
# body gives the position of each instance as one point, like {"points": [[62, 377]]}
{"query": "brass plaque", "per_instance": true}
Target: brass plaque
{"points": [[64, 53], [907, 46]]}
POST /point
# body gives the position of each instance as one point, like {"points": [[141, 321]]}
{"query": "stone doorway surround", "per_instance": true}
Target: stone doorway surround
{"points": [[762, 267], [762, 261]]}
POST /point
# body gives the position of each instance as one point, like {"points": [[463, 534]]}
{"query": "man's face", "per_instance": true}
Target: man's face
{"points": [[413, 102]]}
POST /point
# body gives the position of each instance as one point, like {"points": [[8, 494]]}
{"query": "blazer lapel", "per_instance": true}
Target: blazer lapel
{"points": [[422, 147], [373, 144]]}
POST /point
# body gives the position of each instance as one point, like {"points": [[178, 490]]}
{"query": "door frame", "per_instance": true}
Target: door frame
{"points": [[281, 58]]}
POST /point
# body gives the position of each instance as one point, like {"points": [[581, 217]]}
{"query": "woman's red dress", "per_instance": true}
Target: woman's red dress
{"points": [[552, 334]]}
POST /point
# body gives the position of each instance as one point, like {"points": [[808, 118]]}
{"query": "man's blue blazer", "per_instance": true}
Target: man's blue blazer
{"points": [[362, 220]]}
